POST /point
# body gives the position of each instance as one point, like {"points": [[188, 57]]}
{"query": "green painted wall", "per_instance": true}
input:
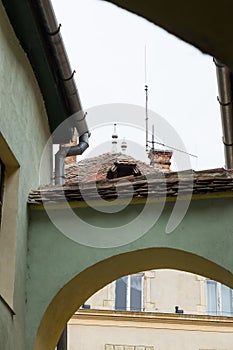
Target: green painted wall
{"points": [[202, 244], [24, 126]]}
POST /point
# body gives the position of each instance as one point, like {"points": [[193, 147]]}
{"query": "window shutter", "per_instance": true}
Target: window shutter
{"points": [[212, 298], [136, 292], [226, 300], [121, 293]]}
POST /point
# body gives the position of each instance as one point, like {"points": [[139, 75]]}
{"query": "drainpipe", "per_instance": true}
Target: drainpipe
{"points": [[66, 152], [66, 78], [62, 343], [225, 101]]}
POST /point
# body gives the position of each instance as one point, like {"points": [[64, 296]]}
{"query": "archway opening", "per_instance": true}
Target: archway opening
{"points": [[72, 295], [154, 309]]}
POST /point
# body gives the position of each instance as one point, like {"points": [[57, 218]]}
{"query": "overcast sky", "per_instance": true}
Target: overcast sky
{"points": [[106, 45]]}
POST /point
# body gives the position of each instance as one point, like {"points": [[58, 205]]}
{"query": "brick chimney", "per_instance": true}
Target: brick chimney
{"points": [[72, 159], [160, 159]]}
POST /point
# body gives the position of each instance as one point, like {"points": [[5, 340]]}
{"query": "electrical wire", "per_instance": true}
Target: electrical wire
{"points": [[175, 149]]}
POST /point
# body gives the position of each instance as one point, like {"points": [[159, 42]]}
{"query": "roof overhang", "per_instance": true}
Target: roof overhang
{"points": [[24, 19]]}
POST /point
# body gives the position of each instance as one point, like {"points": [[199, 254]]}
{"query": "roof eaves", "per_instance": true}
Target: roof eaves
{"points": [[26, 23], [218, 181]]}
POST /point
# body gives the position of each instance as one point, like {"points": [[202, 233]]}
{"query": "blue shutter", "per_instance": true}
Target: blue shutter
{"points": [[121, 293], [226, 293], [212, 298]]}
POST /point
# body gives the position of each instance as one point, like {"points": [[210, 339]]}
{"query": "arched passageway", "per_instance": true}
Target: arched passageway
{"points": [[81, 287], [64, 273]]}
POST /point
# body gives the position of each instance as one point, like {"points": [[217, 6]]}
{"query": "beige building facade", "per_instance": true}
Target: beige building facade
{"points": [[157, 309], [161, 291]]}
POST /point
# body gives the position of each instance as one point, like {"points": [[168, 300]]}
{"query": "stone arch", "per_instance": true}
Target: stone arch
{"points": [[73, 294], [180, 19]]}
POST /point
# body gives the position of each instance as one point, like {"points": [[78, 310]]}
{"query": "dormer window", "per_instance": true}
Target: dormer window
{"points": [[122, 169]]}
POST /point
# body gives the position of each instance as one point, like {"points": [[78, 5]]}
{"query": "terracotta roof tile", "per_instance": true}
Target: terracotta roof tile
{"points": [[84, 177], [96, 168], [209, 181]]}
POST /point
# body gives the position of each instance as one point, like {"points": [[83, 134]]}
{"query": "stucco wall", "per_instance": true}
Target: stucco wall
{"points": [[93, 337], [24, 129], [171, 288]]}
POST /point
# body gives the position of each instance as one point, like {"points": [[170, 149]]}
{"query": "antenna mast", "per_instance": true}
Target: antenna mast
{"points": [[153, 137], [153, 142], [146, 91], [114, 140]]}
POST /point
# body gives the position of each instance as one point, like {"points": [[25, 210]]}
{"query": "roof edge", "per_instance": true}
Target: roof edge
{"points": [[45, 61]]}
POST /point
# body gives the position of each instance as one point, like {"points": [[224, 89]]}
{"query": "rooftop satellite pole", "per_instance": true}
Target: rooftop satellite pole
{"points": [[152, 151], [146, 91], [153, 142], [153, 138]]}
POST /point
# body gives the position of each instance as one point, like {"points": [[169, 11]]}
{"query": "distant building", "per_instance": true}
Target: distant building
{"points": [[158, 309]]}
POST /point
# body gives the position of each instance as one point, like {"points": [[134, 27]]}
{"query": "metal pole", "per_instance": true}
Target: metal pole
{"points": [[62, 343], [146, 90], [224, 77]]}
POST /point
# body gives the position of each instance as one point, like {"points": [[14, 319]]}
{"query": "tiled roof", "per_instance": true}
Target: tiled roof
{"points": [[96, 168], [209, 181]]}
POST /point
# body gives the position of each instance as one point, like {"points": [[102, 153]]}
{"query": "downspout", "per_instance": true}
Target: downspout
{"points": [[66, 152], [66, 77], [225, 101]]}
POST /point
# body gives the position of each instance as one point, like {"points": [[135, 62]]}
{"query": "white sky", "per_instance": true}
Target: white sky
{"points": [[105, 46]]}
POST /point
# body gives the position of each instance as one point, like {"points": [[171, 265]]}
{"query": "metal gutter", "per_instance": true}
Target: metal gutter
{"points": [[33, 22], [224, 78], [39, 34], [64, 72], [66, 76], [29, 34]]}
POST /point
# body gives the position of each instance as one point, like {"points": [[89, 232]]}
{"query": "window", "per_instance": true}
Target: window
{"points": [[123, 168], [219, 299], [129, 293], [2, 174]]}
